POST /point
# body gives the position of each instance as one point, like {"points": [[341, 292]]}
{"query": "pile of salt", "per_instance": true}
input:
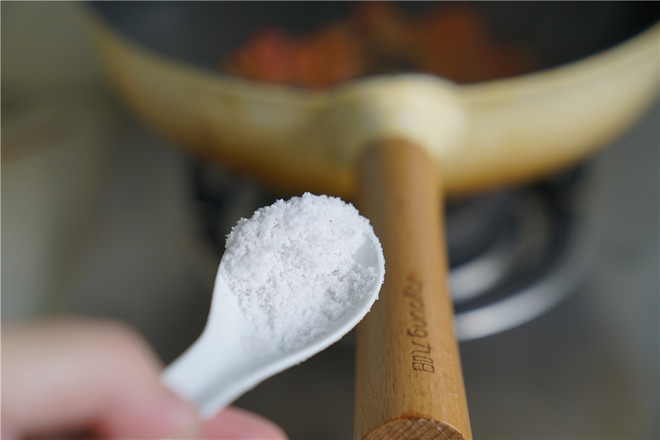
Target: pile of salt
{"points": [[293, 269]]}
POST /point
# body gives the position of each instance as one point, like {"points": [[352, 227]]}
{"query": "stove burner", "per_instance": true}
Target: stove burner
{"points": [[539, 251], [514, 254]]}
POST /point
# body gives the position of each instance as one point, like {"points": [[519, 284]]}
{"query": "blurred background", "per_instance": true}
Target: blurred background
{"points": [[100, 217]]}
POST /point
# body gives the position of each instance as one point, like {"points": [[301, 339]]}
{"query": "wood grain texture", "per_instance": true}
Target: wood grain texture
{"points": [[409, 382]]}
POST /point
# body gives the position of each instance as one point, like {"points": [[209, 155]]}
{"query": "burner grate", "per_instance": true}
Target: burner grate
{"points": [[514, 253]]}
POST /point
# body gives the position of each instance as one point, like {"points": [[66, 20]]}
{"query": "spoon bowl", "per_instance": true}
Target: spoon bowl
{"points": [[225, 361]]}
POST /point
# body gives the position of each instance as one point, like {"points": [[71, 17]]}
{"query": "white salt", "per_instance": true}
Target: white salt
{"points": [[292, 267]]}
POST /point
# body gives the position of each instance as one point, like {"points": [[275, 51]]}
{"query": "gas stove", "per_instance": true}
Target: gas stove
{"points": [[514, 253]]}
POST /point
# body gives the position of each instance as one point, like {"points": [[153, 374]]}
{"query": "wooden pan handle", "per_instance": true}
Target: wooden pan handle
{"points": [[409, 383]]}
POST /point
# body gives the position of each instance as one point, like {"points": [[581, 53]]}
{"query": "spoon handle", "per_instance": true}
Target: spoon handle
{"points": [[216, 369], [409, 382]]}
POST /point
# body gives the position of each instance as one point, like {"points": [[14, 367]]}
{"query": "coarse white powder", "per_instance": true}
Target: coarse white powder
{"points": [[293, 269]]}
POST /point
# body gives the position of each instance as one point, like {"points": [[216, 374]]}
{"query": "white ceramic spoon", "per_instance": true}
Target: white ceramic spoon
{"points": [[220, 365]]}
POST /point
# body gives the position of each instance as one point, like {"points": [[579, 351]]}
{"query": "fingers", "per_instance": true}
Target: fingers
{"points": [[72, 376], [238, 424], [62, 376]]}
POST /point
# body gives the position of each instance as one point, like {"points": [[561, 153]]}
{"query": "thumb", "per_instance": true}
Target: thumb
{"points": [[100, 376]]}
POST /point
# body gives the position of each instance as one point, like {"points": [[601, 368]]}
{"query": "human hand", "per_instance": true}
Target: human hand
{"points": [[99, 378]]}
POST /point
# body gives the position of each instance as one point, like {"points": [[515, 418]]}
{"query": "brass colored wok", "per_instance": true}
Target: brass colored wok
{"points": [[482, 135], [396, 143]]}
